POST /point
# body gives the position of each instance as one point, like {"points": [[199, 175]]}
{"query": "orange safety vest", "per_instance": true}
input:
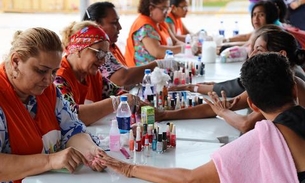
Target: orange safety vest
{"points": [[178, 23], [138, 23], [115, 50], [91, 91], [25, 133]]}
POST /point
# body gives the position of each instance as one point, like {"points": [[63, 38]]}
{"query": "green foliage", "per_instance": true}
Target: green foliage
{"points": [[219, 3]]}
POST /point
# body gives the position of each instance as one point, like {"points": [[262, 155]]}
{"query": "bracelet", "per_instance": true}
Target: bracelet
{"points": [[196, 88]]}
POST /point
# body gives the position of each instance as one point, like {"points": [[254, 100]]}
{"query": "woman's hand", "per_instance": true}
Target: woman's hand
{"points": [[69, 158], [94, 159], [218, 105], [116, 165]]}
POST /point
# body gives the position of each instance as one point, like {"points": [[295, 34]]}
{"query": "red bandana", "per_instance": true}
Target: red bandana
{"points": [[86, 37]]}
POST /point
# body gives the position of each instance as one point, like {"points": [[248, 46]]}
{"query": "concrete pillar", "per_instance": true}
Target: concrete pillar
{"points": [[83, 4]]}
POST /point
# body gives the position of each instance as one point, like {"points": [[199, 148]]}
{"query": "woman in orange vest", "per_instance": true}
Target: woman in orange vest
{"points": [[38, 131], [178, 10], [78, 78], [115, 75], [149, 36]]}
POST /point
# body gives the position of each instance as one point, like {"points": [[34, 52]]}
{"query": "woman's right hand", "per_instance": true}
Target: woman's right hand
{"points": [[68, 158]]}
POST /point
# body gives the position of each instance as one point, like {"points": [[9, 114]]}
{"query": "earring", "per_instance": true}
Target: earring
{"points": [[15, 74]]}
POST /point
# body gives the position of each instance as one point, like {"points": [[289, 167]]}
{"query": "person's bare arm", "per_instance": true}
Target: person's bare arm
{"points": [[296, 4], [200, 88], [156, 50], [301, 91], [172, 28], [176, 41], [14, 167], [90, 113], [205, 173], [239, 38], [132, 75], [243, 123], [197, 112], [185, 29]]}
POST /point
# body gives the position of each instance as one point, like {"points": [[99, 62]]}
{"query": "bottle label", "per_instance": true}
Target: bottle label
{"points": [[123, 124]]}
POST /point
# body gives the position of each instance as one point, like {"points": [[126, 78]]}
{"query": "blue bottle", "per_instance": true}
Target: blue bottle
{"points": [[236, 29], [123, 115], [221, 29]]}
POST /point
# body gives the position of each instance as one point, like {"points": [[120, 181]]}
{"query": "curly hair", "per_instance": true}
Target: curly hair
{"points": [[144, 5]]}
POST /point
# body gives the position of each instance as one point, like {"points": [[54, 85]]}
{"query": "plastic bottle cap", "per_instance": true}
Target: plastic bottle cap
{"points": [[147, 71], [123, 98]]}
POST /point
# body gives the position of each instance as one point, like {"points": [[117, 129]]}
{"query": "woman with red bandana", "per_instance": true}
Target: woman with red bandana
{"points": [[115, 75], [78, 78], [38, 131]]}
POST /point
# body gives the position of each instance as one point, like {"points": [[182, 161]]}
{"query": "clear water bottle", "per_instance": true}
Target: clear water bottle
{"points": [[114, 136], [236, 29], [170, 56], [146, 80], [201, 37], [188, 39], [222, 29], [123, 115]]}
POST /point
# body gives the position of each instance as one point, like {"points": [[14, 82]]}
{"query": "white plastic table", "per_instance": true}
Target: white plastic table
{"points": [[187, 154]]}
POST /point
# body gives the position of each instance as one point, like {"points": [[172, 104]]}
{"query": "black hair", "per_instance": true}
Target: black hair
{"points": [[269, 81], [97, 11], [270, 10], [282, 9], [277, 40], [176, 2], [144, 5]]}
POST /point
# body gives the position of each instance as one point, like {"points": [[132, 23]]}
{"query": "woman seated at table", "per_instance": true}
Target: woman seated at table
{"points": [[178, 10], [263, 12], [87, 48], [149, 36], [271, 41], [115, 75], [275, 145], [234, 87], [38, 131]]}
